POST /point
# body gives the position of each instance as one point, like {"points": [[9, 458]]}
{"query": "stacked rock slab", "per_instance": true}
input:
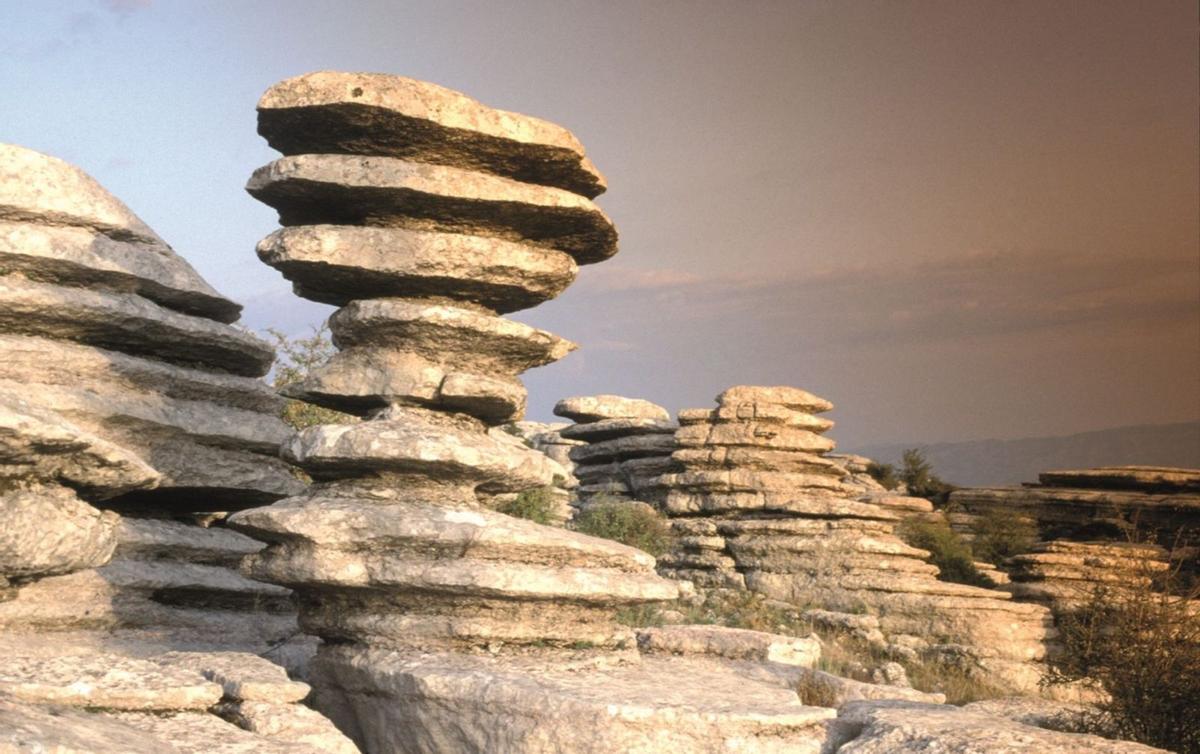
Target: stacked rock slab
{"points": [[448, 626], [1062, 574], [124, 386], [759, 507], [545, 438], [625, 447]]}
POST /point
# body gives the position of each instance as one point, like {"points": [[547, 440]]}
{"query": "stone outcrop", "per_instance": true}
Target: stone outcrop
{"points": [[1063, 574], [447, 625], [1094, 504], [759, 507], [625, 446], [132, 418]]}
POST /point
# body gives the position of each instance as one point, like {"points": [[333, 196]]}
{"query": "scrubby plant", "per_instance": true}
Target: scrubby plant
{"points": [[536, 505], [917, 474], [947, 550], [1000, 534], [884, 473], [630, 523], [295, 360], [1141, 646]]}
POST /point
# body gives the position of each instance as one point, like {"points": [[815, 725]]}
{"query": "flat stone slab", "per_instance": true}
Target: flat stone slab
{"points": [[204, 733], [621, 448], [730, 643], [379, 114], [1143, 478], [242, 676], [468, 340], [895, 727], [811, 504], [411, 703], [157, 539], [336, 264], [39, 444], [47, 530], [106, 681], [752, 435], [313, 189], [37, 728], [609, 429], [288, 724], [766, 413], [455, 455], [757, 458], [786, 397], [130, 324], [83, 257], [594, 408]]}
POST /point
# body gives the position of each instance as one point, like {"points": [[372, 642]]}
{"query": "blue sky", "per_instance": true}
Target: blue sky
{"points": [[956, 220]]}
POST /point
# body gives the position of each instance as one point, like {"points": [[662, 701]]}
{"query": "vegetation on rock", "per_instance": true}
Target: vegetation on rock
{"points": [[884, 473], [630, 523], [1001, 534], [296, 358], [948, 551], [536, 505], [917, 474]]}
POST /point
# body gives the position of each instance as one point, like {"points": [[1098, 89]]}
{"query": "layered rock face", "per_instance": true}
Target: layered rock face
{"points": [[625, 446], [448, 626], [760, 507], [1094, 503], [123, 387], [1062, 574]]}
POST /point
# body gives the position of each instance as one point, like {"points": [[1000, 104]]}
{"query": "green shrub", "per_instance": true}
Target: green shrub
{"points": [[1001, 534], [1142, 647], [295, 359], [917, 474], [948, 551], [536, 505], [633, 524], [884, 473]]}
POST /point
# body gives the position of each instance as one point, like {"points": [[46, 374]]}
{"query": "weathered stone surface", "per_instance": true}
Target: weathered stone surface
{"points": [[754, 435], [104, 681], [287, 724], [158, 539], [377, 114], [816, 503], [47, 530], [336, 264], [608, 429], [26, 728], [593, 408], [1040, 713], [828, 690], [412, 444], [908, 727], [730, 643], [313, 189], [128, 323], [39, 444], [361, 380], [475, 704], [632, 446], [81, 257], [786, 397], [203, 733], [1142, 478], [757, 458], [471, 340], [242, 676]]}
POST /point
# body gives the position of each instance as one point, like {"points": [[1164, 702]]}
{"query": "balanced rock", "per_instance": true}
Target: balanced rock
{"points": [[447, 625]]}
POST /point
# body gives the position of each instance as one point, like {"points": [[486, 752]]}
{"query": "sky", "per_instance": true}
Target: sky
{"points": [[956, 220]]}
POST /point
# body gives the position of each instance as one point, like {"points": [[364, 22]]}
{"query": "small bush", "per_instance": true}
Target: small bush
{"points": [[884, 473], [948, 551], [536, 505], [1142, 647], [633, 524], [917, 474], [1001, 534], [295, 360]]}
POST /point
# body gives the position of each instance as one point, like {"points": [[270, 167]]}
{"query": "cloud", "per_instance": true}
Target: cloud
{"points": [[125, 8]]}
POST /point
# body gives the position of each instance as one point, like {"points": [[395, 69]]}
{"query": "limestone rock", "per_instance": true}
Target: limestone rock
{"points": [[1141, 478], [904, 727], [377, 114], [242, 677], [731, 643], [48, 531], [202, 733], [339, 189], [288, 724], [593, 408], [104, 681], [34, 728], [786, 397], [336, 264]]}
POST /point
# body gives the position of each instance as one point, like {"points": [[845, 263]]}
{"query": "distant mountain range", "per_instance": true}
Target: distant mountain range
{"points": [[982, 463]]}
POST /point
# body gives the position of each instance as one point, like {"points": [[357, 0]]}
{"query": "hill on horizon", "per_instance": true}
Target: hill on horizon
{"points": [[984, 463]]}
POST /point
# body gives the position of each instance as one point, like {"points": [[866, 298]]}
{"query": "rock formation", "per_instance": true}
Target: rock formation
{"points": [[625, 447], [131, 420], [1062, 574], [759, 507], [446, 625]]}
